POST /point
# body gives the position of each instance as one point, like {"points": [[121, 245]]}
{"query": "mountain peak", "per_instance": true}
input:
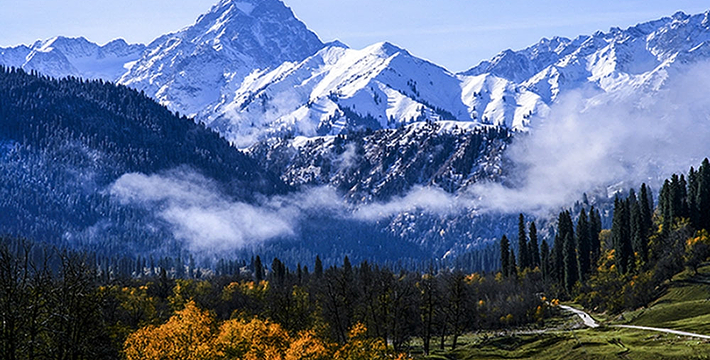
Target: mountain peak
{"points": [[250, 25], [679, 15], [604, 60], [231, 7], [187, 70], [385, 48], [245, 7], [337, 43], [227, 11], [63, 41]]}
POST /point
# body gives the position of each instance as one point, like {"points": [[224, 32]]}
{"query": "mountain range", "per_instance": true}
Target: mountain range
{"points": [[252, 70], [375, 124]]}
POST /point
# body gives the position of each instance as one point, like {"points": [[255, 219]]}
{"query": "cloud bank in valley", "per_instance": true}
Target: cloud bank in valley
{"points": [[420, 198], [628, 136], [585, 144], [208, 220]]}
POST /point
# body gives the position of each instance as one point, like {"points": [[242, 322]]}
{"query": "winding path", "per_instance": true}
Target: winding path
{"points": [[663, 330], [590, 322]]}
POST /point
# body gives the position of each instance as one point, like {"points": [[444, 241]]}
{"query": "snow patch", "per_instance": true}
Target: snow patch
{"points": [[244, 7]]}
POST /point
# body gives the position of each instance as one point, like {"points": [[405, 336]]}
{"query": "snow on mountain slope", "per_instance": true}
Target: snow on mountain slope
{"points": [[378, 165], [14, 56], [190, 69], [250, 69], [519, 66], [382, 86], [408, 179], [497, 101], [61, 56], [633, 59]]}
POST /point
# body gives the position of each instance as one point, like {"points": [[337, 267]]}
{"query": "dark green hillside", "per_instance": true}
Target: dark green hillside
{"points": [[131, 131], [63, 142]]}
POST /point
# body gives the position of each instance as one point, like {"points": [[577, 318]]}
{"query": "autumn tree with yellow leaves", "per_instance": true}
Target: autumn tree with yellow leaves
{"points": [[194, 334], [188, 335]]}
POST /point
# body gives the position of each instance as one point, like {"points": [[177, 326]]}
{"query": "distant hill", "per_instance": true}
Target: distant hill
{"points": [[63, 142]]}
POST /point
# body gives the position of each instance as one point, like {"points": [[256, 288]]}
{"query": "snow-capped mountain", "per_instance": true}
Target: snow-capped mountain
{"points": [[62, 56], [192, 68], [638, 57], [251, 70], [382, 86], [186, 70], [519, 66]]}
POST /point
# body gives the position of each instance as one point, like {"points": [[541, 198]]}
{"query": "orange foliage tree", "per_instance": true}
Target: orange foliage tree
{"points": [[186, 336], [193, 334]]}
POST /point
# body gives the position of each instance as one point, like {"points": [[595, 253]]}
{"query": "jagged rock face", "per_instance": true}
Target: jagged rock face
{"points": [[379, 165], [519, 66], [382, 167], [190, 69]]}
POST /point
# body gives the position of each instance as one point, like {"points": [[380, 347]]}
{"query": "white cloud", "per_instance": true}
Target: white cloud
{"points": [[209, 221], [425, 199], [585, 145]]}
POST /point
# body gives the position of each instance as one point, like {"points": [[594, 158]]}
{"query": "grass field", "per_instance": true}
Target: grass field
{"points": [[685, 305], [602, 343]]}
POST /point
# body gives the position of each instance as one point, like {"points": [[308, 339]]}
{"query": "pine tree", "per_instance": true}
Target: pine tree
{"points": [[683, 195], [545, 259], [702, 201], [318, 268], [513, 271], [693, 197], [638, 233], [564, 229], [555, 262], [522, 244], [676, 200], [534, 249], [278, 272], [567, 225], [258, 269], [570, 262], [620, 235], [664, 204], [595, 226], [347, 267], [646, 209], [505, 256], [583, 245]]}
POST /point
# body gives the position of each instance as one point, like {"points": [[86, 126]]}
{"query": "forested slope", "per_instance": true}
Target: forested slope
{"points": [[65, 140]]}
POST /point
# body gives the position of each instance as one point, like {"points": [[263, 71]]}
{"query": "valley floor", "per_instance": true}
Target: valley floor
{"points": [[674, 326]]}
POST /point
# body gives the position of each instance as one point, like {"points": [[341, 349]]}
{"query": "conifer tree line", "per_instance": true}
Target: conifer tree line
{"points": [[575, 251], [571, 256], [624, 266], [631, 226]]}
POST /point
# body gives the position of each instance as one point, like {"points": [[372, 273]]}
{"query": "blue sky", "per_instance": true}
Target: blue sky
{"points": [[456, 34]]}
